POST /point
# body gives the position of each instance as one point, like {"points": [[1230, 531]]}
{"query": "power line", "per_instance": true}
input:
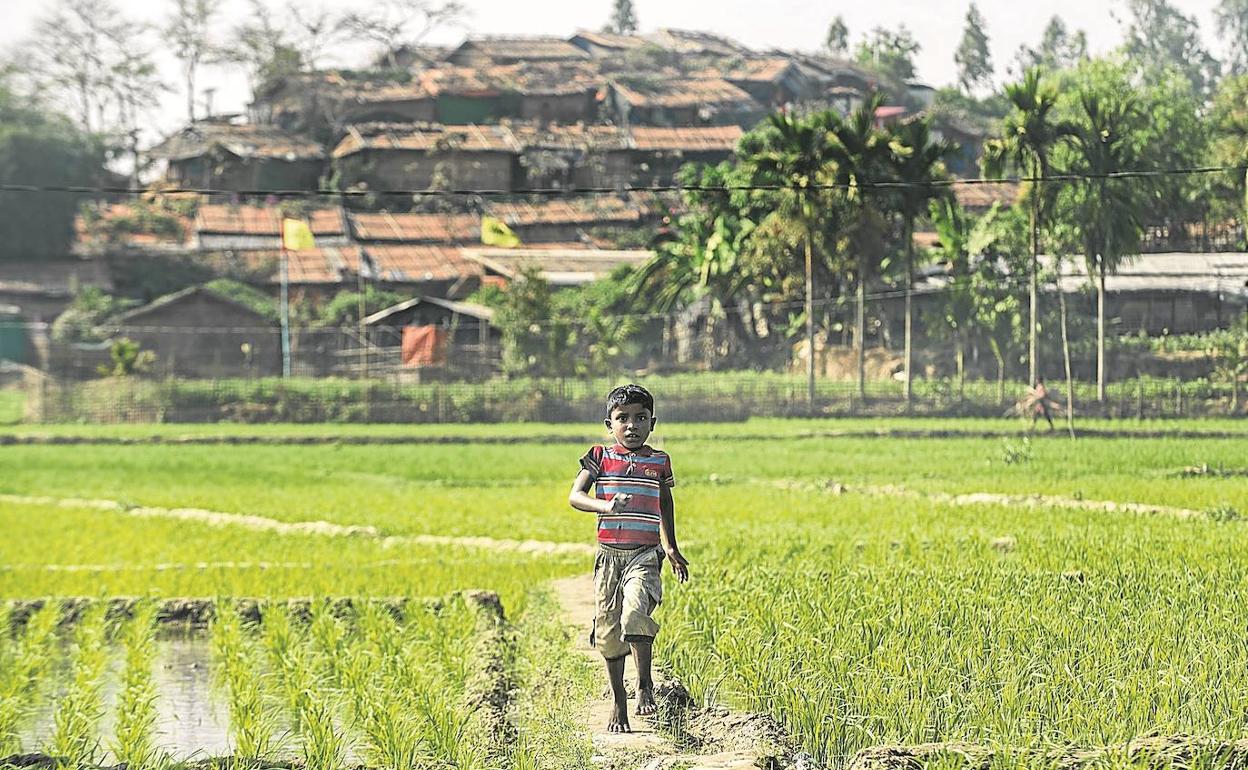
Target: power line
{"points": [[883, 185]]}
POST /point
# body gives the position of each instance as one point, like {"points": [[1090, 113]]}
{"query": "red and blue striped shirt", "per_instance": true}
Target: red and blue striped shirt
{"points": [[617, 470]]}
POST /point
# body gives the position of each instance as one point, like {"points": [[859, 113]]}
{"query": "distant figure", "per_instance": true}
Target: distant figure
{"points": [[1037, 402]]}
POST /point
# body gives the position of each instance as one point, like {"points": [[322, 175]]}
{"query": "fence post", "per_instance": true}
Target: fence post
{"points": [[1178, 399], [1139, 399]]}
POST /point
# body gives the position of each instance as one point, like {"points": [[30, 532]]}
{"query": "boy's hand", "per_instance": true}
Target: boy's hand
{"points": [[680, 565], [616, 504]]}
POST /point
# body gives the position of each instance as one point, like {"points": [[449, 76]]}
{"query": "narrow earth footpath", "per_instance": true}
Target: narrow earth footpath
{"points": [[647, 747]]}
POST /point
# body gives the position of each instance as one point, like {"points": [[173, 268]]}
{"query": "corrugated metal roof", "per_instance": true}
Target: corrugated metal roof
{"points": [[683, 92], [425, 138], [261, 220], [766, 70], [1175, 271], [605, 210], [470, 309], [611, 40], [416, 227], [690, 138], [325, 265], [522, 47], [419, 263], [559, 266], [576, 136], [983, 195], [244, 141]]}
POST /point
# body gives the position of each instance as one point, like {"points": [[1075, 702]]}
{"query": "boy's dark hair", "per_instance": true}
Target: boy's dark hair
{"points": [[629, 394]]}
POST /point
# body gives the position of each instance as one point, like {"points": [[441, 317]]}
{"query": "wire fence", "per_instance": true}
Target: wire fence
{"points": [[695, 397]]}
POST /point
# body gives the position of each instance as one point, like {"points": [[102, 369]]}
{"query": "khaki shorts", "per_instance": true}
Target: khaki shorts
{"points": [[628, 585]]}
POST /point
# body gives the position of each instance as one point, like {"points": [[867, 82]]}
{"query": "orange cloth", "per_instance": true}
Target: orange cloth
{"points": [[424, 345]]}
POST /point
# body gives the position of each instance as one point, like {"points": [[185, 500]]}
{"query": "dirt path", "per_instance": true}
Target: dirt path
{"points": [[645, 748], [321, 528]]}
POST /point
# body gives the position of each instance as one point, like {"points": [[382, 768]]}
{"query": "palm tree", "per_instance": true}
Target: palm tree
{"points": [[861, 157], [1029, 135], [799, 155], [917, 164], [1106, 215], [701, 257]]}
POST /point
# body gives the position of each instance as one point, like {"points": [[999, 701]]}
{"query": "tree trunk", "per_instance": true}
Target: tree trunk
{"points": [[959, 361], [1033, 299], [1100, 333], [860, 327], [997, 354], [1070, 381], [810, 327], [190, 93], [909, 353]]}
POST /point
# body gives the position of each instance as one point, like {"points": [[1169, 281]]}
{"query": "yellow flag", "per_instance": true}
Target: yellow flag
{"points": [[495, 233], [297, 235]]}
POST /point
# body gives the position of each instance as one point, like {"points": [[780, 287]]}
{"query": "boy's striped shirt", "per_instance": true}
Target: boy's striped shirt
{"points": [[640, 474]]}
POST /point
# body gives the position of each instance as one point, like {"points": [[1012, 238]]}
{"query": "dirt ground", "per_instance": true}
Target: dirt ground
{"points": [[707, 739]]}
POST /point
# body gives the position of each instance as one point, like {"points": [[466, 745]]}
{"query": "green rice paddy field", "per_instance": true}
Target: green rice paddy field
{"points": [[966, 585]]}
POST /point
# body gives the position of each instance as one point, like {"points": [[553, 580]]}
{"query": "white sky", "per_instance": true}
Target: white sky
{"points": [[797, 24]]}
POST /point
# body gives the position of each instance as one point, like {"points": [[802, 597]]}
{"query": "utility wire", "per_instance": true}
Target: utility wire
{"points": [[885, 185]]}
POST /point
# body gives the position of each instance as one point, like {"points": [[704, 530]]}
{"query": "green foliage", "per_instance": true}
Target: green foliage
{"points": [[1160, 37], [623, 18], [1016, 452], [973, 57], [1232, 17], [837, 40], [38, 147], [91, 307], [133, 740], [144, 216], [128, 359], [890, 52], [250, 297], [344, 308], [75, 740], [1059, 49]]}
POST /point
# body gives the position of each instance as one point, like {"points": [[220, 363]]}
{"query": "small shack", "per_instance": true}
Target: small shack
{"points": [[222, 155], [676, 101], [433, 331], [424, 156], [219, 329], [224, 226], [481, 51]]}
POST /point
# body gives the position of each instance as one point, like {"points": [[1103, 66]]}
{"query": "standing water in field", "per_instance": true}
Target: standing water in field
{"points": [[190, 722]]}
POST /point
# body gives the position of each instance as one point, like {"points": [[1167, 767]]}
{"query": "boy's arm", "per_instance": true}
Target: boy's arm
{"points": [[667, 533], [581, 501]]}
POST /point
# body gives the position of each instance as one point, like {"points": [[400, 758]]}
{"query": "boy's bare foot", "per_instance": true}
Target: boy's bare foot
{"points": [[618, 723], [645, 701]]}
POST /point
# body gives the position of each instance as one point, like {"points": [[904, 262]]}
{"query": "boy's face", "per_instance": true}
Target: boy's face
{"points": [[630, 424]]}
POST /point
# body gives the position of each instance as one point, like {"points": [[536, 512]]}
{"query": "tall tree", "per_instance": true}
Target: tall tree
{"points": [[1029, 135], [973, 58], [1232, 16], [38, 147], [917, 163], [623, 18], [1107, 212], [261, 47], [889, 52], [861, 156], [800, 158], [188, 31], [1059, 49], [71, 56], [1230, 128], [837, 40], [393, 23], [1158, 36]]}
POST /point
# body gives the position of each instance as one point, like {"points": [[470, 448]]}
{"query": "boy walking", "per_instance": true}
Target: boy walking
{"points": [[636, 529]]}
